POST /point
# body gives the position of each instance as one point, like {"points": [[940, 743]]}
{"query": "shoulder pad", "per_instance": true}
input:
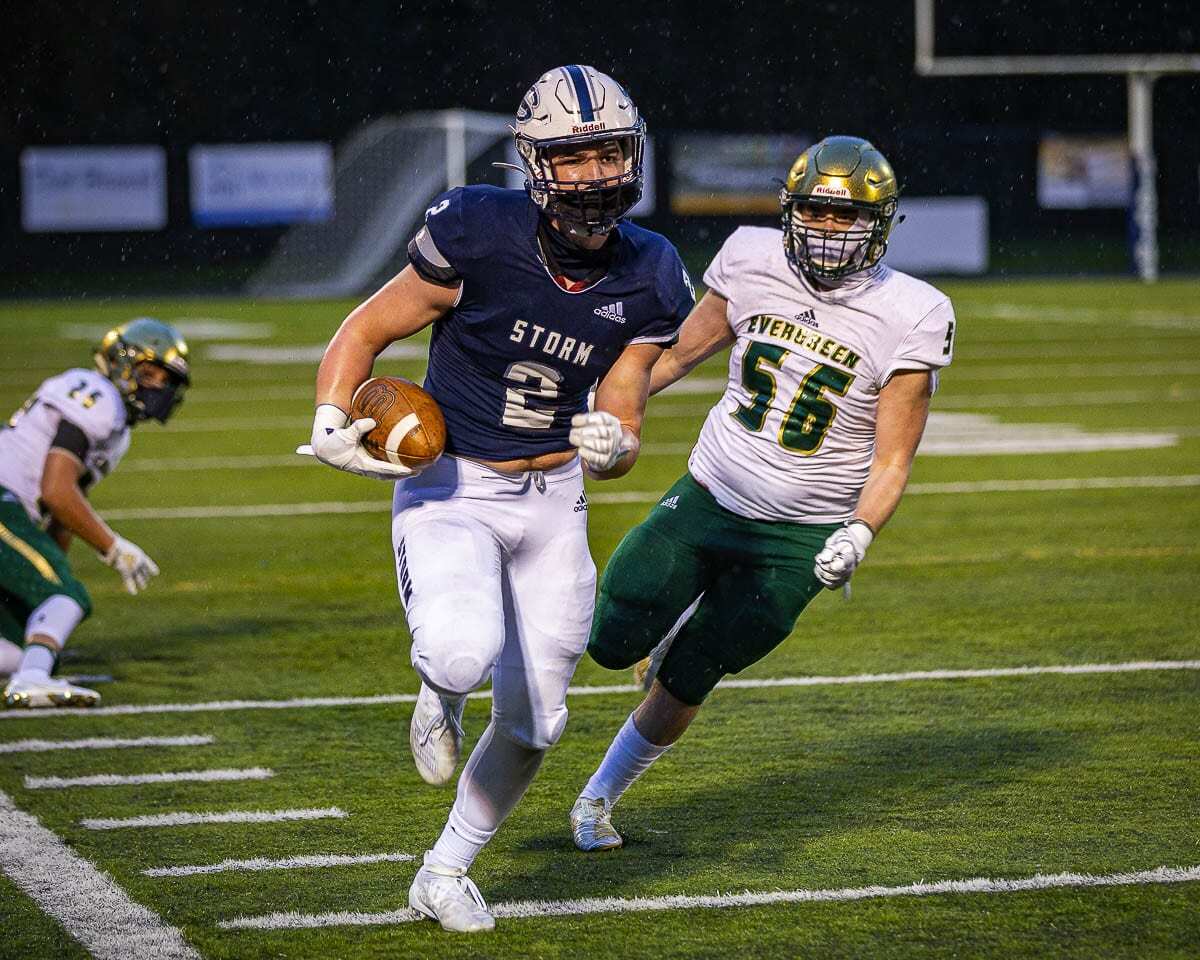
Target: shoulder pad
{"points": [[88, 400]]}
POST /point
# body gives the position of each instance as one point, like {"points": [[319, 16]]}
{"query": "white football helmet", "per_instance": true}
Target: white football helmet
{"points": [[577, 104]]}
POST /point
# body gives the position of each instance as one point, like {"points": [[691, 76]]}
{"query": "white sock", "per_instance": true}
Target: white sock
{"points": [[628, 757], [10, 656], [36, 663], [496, 776]]}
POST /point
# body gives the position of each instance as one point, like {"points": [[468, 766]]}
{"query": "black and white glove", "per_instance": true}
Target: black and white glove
{"points": [[600, 439], [843, 551], [340, 445], [131, 562]]}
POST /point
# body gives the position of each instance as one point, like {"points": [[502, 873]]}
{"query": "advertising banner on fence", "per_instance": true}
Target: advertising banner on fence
{"points": [[1075, 173], [940, 235], [725, 174], [66, 189], [261, 184]]}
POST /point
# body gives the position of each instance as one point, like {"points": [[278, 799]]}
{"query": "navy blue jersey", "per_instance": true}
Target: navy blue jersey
{"points": [[518, 354]]}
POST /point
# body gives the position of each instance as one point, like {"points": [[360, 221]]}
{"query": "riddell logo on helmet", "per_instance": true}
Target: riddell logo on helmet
{"points": [[588, 127], [831, 190]]}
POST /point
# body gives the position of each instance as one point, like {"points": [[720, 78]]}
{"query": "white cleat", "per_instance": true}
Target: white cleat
{"points": [[435, 735], [451, 898], [591, 826], [51, 692]]}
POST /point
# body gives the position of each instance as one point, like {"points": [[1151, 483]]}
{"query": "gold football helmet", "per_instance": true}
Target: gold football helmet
{"points": [[149, 341], [838, 204]]}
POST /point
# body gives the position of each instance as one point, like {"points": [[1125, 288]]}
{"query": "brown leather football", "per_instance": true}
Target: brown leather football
{"points": [[409, 427]]}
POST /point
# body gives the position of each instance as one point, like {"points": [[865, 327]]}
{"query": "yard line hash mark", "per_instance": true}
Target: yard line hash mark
{"points": [[121, 780], [386, 699], [186, 819], [96, 743], [85, 900], [1052, 485], [526, 909], [288, 863]]}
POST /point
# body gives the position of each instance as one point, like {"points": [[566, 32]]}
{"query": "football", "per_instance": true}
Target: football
{"points": [[409, 427]]}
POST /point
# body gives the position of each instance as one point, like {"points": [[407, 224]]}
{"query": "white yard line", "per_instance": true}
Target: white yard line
{"points": [[644, 496], [318, 861], [301, 703], [123, 780], [528, 909], [303, 354], [91, 743], [84, 900], [184, 819]]}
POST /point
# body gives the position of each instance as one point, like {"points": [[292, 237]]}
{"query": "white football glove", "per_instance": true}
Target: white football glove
{"points": [[600, 439], [843, 551], [340, 445], [131, 562]]}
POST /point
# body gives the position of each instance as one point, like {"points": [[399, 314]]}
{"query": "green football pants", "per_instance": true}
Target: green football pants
{"points": [[33, 568], [756, 577]]}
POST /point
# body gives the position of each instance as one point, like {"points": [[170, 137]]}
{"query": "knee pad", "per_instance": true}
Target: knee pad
{"points": [[456, 642], [55, 618], [621, 634], [537, 732]]}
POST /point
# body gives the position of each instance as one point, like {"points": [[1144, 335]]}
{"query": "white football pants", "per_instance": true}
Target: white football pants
{"points": [[497, 580]]}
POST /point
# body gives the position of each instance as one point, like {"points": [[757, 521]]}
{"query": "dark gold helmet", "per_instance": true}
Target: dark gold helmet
{"points": [[145, 341], [838, 205]]}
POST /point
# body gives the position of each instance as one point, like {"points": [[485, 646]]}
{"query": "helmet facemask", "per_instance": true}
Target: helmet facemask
{"points": [[587, 207], [821, 248]]}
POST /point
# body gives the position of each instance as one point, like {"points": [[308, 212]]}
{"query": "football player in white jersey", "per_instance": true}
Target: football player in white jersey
{"points": [[68, 436], [798, 466]]}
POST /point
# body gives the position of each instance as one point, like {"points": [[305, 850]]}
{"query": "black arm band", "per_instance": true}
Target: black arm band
{"points": [[70, 438]]}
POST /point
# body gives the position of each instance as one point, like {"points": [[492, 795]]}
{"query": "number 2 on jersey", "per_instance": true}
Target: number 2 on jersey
{"points": [[810, 414], [528, 383]]}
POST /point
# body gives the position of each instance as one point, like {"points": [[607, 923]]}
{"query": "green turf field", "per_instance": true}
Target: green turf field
{"points": [[1082, 553]]}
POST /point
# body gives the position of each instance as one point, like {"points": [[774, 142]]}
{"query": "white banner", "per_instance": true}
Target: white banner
{"points": [[940, 235], [93, 188], [256, 184], [1076, 173]]}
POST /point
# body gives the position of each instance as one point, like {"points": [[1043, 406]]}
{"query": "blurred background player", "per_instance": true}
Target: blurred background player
{"points": [[798, 466], [65, 438], [535, 296]]}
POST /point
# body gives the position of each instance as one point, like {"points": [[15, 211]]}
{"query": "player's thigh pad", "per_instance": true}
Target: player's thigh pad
{"points": [[549, 595], [747, 611], [448, 573], [33, 567], [648, 583]]}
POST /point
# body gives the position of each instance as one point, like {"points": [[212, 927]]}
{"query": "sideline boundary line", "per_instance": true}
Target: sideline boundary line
{"points": [[88, 903], [527, 909], [384, 699]]}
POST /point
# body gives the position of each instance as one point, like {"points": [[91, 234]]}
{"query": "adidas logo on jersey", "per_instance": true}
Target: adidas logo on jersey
{"points": [[581, 503], [614, 311], [808, 318], [670, 503]]}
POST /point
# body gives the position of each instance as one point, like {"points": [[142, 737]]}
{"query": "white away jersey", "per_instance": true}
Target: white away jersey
{"points": [[82, 397], [794, 434]]}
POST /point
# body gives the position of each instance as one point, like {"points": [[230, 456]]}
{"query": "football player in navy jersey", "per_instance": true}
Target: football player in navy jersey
{"points": [[536, 297]]}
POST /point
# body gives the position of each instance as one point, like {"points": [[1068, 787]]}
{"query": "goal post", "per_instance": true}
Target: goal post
{"points": [[1140, 70], [384, 177]]}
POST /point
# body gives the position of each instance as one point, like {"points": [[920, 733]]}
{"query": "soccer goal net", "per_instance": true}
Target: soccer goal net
{"points": [[384, 177]]}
